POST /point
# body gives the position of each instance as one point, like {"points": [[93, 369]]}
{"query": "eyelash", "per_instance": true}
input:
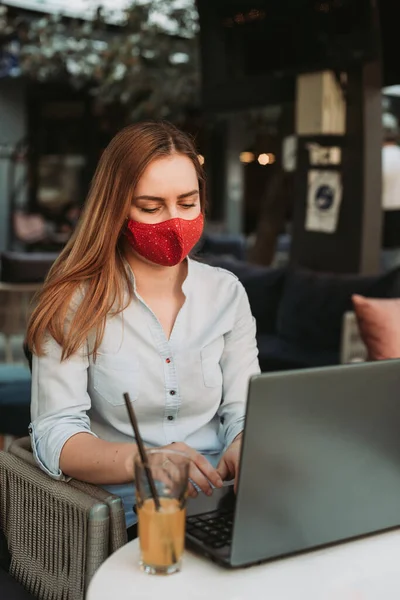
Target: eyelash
{"points": [[151, 211]]}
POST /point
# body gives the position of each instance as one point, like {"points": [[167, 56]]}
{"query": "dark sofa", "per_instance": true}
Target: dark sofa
{"points": [[299, 313]]}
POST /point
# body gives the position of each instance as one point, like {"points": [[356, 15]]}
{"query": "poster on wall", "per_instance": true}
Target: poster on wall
{"points": [[324, 198]]}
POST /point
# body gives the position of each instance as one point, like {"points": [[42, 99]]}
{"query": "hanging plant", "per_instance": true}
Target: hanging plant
{"points": [[148, 62]]}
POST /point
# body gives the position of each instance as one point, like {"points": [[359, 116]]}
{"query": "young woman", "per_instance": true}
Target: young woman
{"points": [[125, 310]]}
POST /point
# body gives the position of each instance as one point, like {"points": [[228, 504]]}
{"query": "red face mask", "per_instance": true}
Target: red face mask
{"points": [[166, 243]]}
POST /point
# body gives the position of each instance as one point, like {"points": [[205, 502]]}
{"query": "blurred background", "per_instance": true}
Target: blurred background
{"points": [[245, 78], [294, 107]]}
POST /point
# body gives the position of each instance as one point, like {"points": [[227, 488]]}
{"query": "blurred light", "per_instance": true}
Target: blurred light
{"points": [[179, 58], [242, 18], [272, 158], [239, 18], [201, 158], [323, 7], [392, 90], [263, 159], [254, 14], [247, 157]]}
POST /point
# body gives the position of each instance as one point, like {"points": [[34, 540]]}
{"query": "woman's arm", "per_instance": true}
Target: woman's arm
{"points": [[90, 459], [239, 362], [62, 441]]}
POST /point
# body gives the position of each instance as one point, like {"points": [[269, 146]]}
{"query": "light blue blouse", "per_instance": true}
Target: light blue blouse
{"points": [[191, 387]]}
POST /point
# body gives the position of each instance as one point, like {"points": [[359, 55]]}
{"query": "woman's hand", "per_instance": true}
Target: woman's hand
{"points": [[228, 466], [200, 471]]}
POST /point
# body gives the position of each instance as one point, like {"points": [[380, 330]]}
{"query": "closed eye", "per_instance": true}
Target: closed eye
{"points": [[150, 210]]}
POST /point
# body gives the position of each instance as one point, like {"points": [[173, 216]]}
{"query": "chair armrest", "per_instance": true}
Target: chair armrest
{"points": [[57, 536], [58, 533], [118, 536]]}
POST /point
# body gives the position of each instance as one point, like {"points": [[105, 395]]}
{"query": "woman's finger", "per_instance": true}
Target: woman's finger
{"points": [[223, 469], [199, 479], [207, 470], [192, 492]]}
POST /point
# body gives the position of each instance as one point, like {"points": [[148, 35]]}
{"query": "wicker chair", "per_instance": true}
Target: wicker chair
{"points": [[57, 533]]}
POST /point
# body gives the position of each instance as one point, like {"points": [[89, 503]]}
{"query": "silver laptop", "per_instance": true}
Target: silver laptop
{"points": [[320, 464]]}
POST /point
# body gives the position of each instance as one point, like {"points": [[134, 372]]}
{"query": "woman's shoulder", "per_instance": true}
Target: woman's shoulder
{"points": [[216, 278], [212, 271]]}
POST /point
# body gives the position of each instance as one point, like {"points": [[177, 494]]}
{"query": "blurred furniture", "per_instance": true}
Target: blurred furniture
{"points": [[26, 267], [57, 533], [21, 277], [222, 244], [282, 250], [15, 306], [361, 569], [29, 228], [299, 313], [352, 347], [15, 400]]}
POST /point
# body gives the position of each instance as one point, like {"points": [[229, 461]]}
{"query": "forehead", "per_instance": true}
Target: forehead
{"points": [[172, 173]]}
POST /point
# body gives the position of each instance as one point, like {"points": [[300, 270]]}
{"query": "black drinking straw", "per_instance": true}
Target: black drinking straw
{"points": [[142, 451]]}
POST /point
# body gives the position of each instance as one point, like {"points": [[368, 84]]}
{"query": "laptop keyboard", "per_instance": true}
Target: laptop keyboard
{"points": [[212, 529]]}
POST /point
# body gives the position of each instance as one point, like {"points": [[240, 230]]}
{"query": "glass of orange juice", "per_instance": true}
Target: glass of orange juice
{"points": [[162, 531]]}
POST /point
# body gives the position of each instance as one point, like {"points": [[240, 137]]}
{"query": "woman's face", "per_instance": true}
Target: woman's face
{"points": [[167, 189]]}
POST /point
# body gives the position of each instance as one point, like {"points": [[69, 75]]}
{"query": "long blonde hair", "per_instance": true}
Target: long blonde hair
{"points": [[92, 259]]}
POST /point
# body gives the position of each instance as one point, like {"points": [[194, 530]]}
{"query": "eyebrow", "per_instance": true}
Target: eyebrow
{"points": [[160, 199]]}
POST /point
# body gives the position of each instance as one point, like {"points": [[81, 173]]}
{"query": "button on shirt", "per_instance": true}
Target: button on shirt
{"points": [[191, 387]]}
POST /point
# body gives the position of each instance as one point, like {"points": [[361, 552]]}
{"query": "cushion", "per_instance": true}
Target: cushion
{"points": [[313, 305], [277, 354], [379, 323], [264, 286]]}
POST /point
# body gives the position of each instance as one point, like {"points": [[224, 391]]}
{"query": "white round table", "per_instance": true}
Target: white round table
{"points": [[367, 569]]}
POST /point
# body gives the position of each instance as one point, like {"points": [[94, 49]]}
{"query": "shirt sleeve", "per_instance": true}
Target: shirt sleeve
{"points": [[59, 404], [239, 362]]}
